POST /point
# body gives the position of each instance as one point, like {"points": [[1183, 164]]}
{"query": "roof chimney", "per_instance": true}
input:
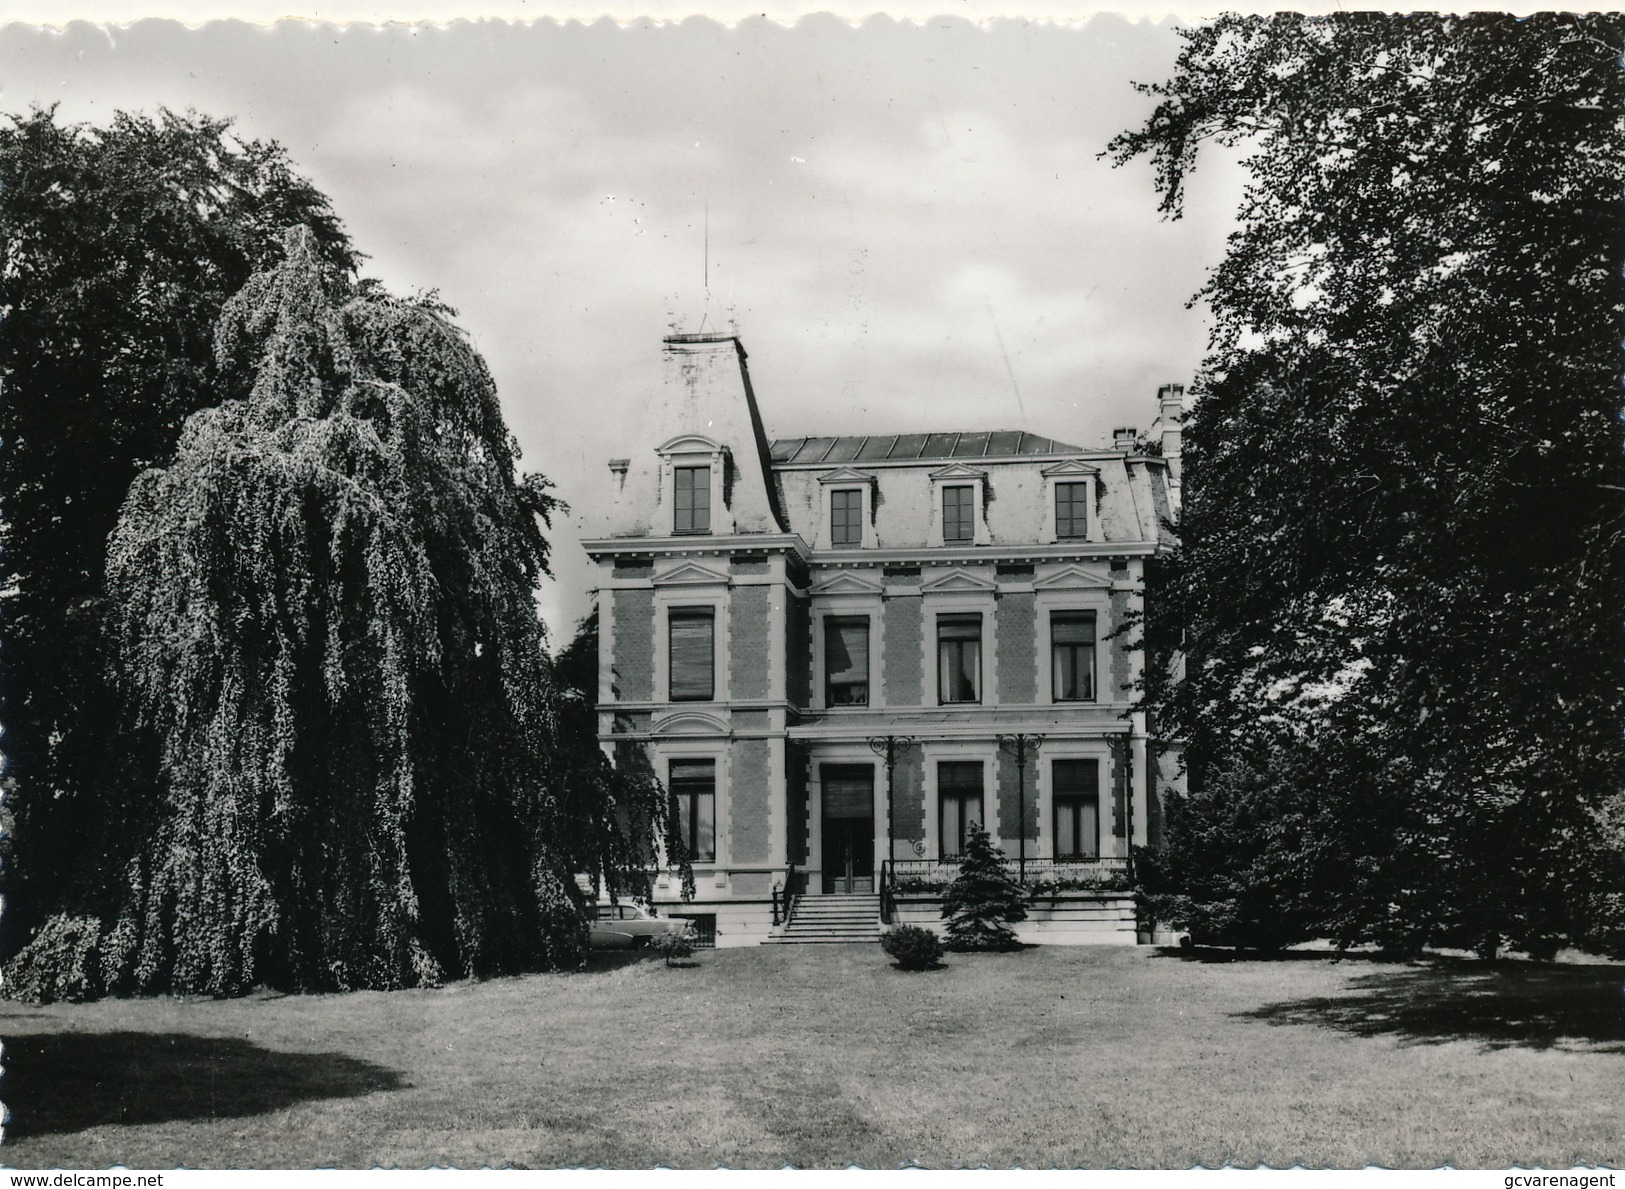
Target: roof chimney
{"points": [[1171, 412], [1123, 437]]}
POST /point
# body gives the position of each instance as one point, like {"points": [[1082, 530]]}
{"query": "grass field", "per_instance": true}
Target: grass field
{"points": [[821, 1056]]}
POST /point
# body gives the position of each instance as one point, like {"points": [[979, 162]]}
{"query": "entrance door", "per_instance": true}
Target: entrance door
{"points": [[849, 827]]}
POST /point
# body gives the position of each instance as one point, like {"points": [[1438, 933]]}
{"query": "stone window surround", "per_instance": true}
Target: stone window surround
{"points": [[934, 604], [1047, 601], [856, 755], [936, 752], [1071, 471], [699, 749], [960, 475], [692, 450], [849, 606], [846, 479], [1072, 749], [678, 595]]}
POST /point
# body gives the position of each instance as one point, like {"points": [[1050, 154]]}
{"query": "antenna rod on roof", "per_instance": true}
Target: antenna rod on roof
{"points": [[707, 248]]}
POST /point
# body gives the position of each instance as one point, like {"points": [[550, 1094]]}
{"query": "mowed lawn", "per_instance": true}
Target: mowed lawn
{"points": [[820, 1056]]}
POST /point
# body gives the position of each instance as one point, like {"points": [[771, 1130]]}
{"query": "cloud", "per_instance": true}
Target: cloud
{"points": [[909, 222]]}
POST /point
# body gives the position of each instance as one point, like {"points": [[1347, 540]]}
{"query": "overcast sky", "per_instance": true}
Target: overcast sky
{"points": [[908, 224]]}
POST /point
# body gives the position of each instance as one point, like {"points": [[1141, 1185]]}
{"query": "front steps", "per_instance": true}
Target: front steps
{"points": [[829, 920]]}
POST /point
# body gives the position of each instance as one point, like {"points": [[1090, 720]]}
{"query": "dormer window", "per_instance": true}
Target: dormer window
{"points": [[849, 510], [958, 495], [1071, 502], [693, 499], [692, 486]]}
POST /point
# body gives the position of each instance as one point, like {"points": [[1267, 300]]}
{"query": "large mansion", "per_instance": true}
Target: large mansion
{"points": [[840, 652]]}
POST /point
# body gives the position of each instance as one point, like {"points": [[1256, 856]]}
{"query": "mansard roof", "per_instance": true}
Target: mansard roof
{"points": [[916, 447]]}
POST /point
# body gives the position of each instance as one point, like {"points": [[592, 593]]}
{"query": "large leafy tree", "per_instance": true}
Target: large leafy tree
{"points": [[1400, 589], [323, 618], [610, 813], [120, 247]]}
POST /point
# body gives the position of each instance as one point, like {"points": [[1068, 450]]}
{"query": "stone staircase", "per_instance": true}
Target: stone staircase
{"points": [[827, 920]]}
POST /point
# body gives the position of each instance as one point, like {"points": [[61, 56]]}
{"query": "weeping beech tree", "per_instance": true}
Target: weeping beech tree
{"points": [[327, 644]]}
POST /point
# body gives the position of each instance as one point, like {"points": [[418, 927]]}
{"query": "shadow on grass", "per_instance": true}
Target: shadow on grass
{"points": [[1208, 954], [1501, 1006], [68, 1081]]}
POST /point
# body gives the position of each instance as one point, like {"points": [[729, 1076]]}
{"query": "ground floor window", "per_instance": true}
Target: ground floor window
{"points": [[693, 785], [1077, 808], [959, 795]]}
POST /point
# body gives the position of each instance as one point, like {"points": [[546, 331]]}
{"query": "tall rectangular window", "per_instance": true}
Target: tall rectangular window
{"points": [[959, 798], [693, 499], [693, 654], [958, 514], [1077, 809], [959, 658], [693, 786], [846, 662], [846, 518], [1071, 511], [1072, 655]]}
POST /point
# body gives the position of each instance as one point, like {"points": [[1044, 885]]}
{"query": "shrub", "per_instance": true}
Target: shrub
{"points": [[912, 947], [674, 945], [983, 900]]}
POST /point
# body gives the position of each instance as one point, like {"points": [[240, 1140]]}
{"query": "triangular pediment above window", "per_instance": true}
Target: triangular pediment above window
{"points": [[958, 580], [846, 582], [689, 443], [957, 470], [691, 574], [1074, 578], [846, 475], [1069, 468], [688, 722]]}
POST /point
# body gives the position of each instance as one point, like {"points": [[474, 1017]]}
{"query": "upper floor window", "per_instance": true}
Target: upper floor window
{"points": [[693, 654], [846, 662], [1071, 511], [958, 514], [1072, 655], [846, 517], [693, 499], [693, 786], [1077, 809], [959, 800], [959, 658]]}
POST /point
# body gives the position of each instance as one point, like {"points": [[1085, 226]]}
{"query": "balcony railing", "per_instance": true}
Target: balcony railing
{"points": [[928, 876]]}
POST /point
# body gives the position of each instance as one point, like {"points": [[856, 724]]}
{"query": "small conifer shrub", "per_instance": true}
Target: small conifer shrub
{"points": [[912, 947], [983, 900]]}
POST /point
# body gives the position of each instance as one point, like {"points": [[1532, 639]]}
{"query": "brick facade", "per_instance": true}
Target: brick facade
{"points": [[900, 668], [750, 660], [632, 670]]}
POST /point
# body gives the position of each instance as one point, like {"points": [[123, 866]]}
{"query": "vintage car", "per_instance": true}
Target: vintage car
{"points": [[629, 926]]}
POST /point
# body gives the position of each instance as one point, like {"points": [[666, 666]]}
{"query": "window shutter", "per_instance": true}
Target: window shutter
{"points": [[846, 649], [1074, 627], [959, 777], [848, 794], [1077, 778], [702, 771], [693, 654]]}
